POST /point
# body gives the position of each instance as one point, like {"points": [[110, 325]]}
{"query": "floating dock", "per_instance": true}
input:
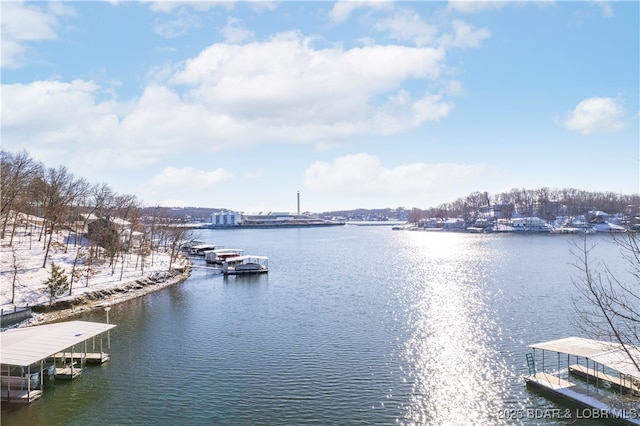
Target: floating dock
{"points": [[68, 373]]}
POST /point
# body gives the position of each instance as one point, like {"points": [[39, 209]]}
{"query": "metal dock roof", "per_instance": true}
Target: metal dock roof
{"points": [[26, 346], [609, 354]]}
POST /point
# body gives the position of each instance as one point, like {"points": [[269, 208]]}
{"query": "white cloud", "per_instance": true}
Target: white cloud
{"points": [[234, 32], [402, 111], [61, 123], [55, 102], [188, 177], [407, 25], [184, 186], [605, 6], [169, 6], [596, 115], [342, 9], [474, 6], [185, 15], [161, 123], [177, 27], [362, 174], [465, 36], [262, 5], [59, 8], [26, 23], [282, 90], [285, 82]]}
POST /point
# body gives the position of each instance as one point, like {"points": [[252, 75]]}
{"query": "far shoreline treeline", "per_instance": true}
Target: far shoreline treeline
{"points": [[22, 178]]}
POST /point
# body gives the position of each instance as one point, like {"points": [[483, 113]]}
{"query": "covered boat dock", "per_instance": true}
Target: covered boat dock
{"points": [[609, 377], [30, 356], [245, 264]]}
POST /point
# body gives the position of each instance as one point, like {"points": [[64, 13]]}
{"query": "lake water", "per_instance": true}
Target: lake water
{"points": [[352, 325]]}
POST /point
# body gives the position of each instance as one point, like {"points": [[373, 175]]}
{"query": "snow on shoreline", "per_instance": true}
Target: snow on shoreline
{"points": [[26, 255]]}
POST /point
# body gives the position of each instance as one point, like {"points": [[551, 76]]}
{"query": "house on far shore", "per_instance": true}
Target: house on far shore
{"points": [[455, 224]]}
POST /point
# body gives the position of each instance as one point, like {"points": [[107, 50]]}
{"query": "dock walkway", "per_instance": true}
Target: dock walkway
{"points": [[620, 383], [550, 381], [20, 396], [84, 357], [607, 406]]}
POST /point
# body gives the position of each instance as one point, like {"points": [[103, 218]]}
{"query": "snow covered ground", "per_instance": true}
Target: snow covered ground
{"points": [[25, 254]]}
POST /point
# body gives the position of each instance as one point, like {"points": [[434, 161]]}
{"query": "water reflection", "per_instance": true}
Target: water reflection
{"points": [[454, 369], [245, 279]]}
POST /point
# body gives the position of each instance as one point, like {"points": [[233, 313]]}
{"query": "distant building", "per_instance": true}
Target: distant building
{"points": [[225, 219], [284, 219], [598, 217], [503, 211]]}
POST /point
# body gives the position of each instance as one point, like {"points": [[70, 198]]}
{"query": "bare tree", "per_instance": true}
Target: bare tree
{"points": [[607, 302], [128, 212], [152, 234], [95, 201], [15, 268], [176, 233], [60, 188], [17, 173]]}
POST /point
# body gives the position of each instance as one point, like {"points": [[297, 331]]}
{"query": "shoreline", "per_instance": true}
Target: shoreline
{"points": [[87, 302], [23, 278]]}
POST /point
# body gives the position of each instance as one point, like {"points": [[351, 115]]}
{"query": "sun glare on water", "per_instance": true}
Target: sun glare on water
{"points": [[453, 363]]}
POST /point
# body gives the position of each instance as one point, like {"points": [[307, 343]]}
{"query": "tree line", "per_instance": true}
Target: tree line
{"points": [[545, 203], [44, 200]]}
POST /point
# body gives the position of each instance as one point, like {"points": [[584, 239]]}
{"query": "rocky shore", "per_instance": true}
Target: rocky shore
{"points": [[88, 301]]}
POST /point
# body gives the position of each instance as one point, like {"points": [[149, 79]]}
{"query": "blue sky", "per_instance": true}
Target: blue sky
{"points": [[240, 105]]}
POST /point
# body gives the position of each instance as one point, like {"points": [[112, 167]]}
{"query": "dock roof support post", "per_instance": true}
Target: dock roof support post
{"points": [[8, 383], [107, 309], [595, 372]]}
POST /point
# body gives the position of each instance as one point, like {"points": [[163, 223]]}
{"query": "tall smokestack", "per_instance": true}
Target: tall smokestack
{"points": [[298, 203]]}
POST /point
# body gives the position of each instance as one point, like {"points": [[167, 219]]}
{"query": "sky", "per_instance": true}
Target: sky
{"points": [[353, 104]]}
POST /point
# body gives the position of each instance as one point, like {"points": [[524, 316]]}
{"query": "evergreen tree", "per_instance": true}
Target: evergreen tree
{"points": [[57, 283]]}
